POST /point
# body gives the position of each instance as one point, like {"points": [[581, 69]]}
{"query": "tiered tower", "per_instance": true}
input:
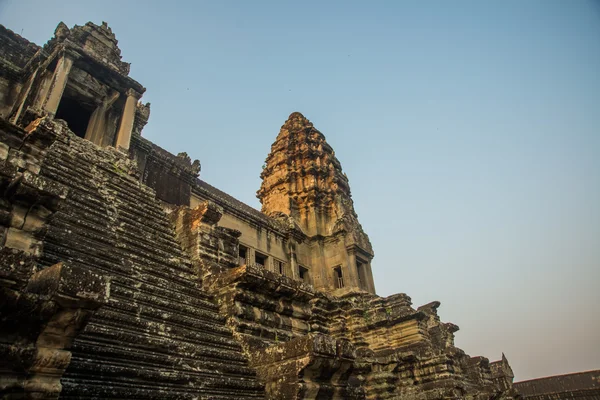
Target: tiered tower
{"points": [[304, 180]]}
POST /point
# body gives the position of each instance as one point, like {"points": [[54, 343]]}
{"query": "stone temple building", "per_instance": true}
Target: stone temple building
{"points": [[124, 275]]}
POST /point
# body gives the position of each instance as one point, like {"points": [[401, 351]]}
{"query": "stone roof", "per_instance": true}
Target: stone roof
{"points": [[203, 188], [581, 381], [15, 50]]}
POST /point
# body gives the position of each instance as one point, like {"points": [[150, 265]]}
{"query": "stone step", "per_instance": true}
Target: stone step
{"points": [[131, 389], [134, 236], [80, 206], [199, 301], [157, 373], [163, 283], [85, 247], [155, 357], [153, 307], [97, 330], [63, 173], [156, 230], [159, 336]]}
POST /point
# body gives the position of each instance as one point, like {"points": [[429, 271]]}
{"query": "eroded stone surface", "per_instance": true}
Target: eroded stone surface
{"points": [[42, 310]]}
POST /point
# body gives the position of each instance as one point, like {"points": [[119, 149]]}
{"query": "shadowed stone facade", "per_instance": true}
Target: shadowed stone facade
{"points": [[124, 275]]}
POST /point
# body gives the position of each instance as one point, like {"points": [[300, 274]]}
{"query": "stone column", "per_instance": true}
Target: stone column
{"points": [[250, 256], [23, 98], [351, 279], [293, 259], [57, 86], [369, 276], [321, 272], [126, 126], [96, 125]]}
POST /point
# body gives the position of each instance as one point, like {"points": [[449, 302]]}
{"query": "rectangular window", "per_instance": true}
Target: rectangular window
{"points": [[339, 278], [242, 255], [260, 259], [303, 274], [280, 267]]}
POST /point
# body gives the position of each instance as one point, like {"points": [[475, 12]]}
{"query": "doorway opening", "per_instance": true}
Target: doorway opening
{"points": [[75, 114]]}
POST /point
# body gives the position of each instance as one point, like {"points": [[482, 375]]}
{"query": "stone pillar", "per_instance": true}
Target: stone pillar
{"points": [[42, 88], [293, 259], [96, 129], [369, 276], [322, 272], [251, 256], [126, 126], [57, 86], [312, 227], [23, 98], [96, 125], [351, 278]]}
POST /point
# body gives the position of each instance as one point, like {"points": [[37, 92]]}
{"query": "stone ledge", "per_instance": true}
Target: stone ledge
{"points": [[309, 345], [263, 281], [70, 286], [309, 367]]}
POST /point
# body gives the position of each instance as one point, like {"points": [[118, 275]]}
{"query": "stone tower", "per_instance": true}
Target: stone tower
{"points": [[78, 76], [303, 179]]}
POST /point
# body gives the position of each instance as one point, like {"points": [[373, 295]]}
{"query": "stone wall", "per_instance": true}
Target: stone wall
{"points": [[15, 52], [278, 240], [170, 176], [15, 49]]}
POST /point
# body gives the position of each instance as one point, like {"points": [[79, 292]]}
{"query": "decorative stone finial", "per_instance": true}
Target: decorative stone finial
{"points": [[61, 31], [296, 115]]}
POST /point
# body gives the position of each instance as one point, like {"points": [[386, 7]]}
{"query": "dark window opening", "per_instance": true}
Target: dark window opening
{"points": [[303, 274], [280, 267], [75, 114], [339, 278], [242, 255], [260, 259]]}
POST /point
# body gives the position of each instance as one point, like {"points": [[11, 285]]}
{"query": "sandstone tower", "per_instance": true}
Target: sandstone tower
{"points": [[303, 179]]}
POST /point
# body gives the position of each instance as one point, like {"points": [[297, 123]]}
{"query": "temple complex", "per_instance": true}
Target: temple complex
{"points": [[125, 275]]}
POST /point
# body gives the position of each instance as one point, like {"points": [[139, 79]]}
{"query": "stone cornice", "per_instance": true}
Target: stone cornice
{"points": [[355, 249]]}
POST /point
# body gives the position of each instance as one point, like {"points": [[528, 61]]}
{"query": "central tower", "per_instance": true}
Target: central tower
{"points": [[303, 179]]}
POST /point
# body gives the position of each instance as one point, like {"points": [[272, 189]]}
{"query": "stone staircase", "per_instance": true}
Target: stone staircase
{"points": [[159, 336]]}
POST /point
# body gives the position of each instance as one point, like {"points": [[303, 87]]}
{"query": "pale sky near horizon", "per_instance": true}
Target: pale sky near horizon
{"points": [[469, 130]]}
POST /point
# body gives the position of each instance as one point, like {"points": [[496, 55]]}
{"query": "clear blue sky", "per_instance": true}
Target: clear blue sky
{"points": [[470, 131]]}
